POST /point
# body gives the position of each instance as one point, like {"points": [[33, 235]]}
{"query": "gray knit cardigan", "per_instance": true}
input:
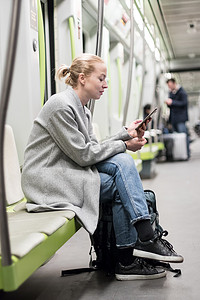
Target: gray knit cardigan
{"points": [[59, 170]]}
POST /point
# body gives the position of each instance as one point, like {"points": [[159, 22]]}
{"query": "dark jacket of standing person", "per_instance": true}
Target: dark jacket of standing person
{"points": [[179, 106]]}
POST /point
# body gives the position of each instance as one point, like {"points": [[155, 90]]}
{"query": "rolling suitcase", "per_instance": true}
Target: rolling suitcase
{"points": [[179, 149]]}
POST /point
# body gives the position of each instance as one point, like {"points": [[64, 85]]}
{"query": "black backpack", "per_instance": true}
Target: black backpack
{"points": [[104, 243]]}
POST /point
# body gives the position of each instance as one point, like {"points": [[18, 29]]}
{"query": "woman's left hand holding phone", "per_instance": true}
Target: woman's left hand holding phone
{"points": [[138, 141], [136, 133]]}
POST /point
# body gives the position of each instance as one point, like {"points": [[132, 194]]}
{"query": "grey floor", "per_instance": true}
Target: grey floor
{"points": [[177, 188]]}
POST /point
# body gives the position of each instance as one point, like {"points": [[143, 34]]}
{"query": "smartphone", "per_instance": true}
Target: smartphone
{"points": [[147, 118]]}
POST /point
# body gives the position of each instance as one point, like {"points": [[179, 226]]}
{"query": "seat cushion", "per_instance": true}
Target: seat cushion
{"points": [[27, 230]]}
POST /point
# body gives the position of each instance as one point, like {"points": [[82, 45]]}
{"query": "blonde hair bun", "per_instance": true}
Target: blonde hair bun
{"points": [[84, 63]]}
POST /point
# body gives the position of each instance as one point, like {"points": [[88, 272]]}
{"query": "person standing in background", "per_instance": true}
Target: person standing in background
{"points": [[178, 104]]}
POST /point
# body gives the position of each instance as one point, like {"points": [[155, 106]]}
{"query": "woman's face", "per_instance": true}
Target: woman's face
{"points": [[96, 83]]}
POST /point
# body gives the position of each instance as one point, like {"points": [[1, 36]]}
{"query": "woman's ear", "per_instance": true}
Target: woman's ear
{"points": [[81, 78]]}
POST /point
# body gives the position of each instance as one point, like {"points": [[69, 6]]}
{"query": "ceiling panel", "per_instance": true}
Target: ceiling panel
{"points": [[182, 20], [179, 26]]}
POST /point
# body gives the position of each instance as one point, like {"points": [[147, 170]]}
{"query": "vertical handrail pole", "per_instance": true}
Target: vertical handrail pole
{"points": [[72, 39], [120, 97], [42, 54], [98, 42], [130, 71], [143, 67], [6, 87], [100, 27]]}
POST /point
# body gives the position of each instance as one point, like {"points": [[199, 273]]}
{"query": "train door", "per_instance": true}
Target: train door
{"points": [[90, 27], [102, 106], [150, 79], [67, 34], [117, 22], [25, 100], [117, 88]]}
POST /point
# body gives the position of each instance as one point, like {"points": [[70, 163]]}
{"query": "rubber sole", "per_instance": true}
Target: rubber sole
{"points": [[150, 255], [124, 277]]}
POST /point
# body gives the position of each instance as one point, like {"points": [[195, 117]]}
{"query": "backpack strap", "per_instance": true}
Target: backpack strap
{"points": [[77, 271], [168, 267], [92, 267]]}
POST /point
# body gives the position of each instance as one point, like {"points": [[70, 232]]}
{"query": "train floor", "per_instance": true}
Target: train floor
{"points": [[178, 196]]}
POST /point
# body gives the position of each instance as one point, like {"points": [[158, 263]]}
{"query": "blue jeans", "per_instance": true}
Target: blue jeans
{"points": [[121, 185], [181, 127]]}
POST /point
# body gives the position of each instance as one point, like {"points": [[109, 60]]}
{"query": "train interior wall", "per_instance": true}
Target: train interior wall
{"points": [[176, 184]]}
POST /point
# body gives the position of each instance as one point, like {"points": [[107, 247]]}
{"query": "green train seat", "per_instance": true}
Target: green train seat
{"points": [[34, 237]]}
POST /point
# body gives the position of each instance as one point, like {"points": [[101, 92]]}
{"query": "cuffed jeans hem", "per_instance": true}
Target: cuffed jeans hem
{"points": [[145, 217], [125, 246]]}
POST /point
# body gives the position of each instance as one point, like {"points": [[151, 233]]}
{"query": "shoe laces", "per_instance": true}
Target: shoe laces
{"points": [[143, 263], [159, 236]]}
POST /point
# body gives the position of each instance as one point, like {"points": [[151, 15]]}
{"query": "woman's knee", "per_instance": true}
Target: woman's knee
{"points": [[123, 159], [118, 162]]}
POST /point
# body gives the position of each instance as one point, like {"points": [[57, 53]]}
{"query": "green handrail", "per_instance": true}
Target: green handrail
{"points": [[72, 34], [109, 83], [120, 86], [139, 84], [41, 51]]}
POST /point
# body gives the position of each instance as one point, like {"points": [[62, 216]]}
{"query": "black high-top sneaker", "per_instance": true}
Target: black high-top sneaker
{"points": [[139, 269], [157, 249]]}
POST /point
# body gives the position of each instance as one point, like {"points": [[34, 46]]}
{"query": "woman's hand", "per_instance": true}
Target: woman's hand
{"points": [[136, 133], [135, 144]]}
